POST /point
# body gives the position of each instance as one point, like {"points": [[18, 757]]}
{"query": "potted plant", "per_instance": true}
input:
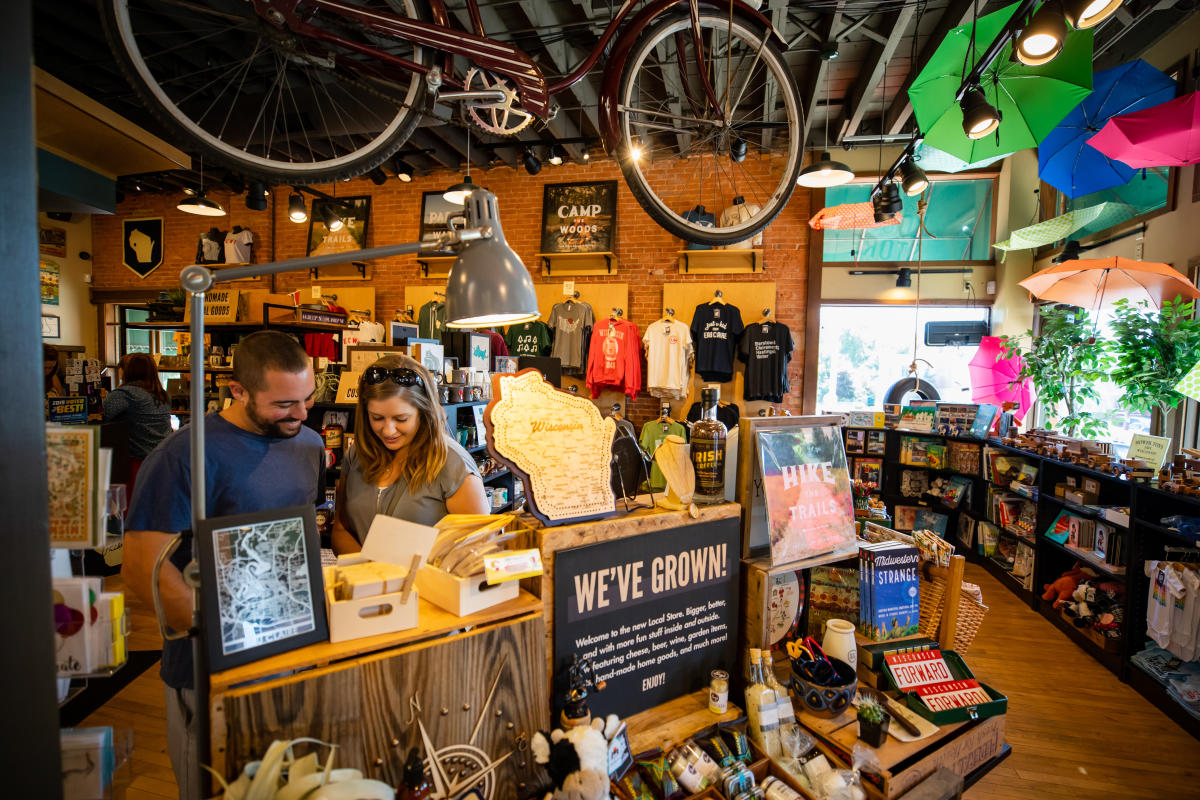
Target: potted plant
{"points": [[1065, 361], [872, 722], [1153, 351]]}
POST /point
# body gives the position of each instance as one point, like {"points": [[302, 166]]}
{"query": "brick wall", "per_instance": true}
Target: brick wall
{"points": [[646, 253]]}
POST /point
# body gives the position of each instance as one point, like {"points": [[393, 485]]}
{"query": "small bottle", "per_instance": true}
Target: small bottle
{"points": [[783, 699], [708, 451], [414, 785], [761, 711], [718, 691]]}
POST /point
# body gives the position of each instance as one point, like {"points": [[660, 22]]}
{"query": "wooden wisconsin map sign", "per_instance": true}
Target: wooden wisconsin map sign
{"points": [[557, 443]]}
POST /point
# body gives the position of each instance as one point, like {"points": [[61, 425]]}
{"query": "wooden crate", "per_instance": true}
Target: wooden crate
{"points": [[1097, 638]]}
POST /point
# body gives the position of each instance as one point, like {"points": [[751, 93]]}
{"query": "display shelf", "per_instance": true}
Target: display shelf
{"points": [[1005, 577], [713, 261], [1110, 659], [1149, 687], [578, 263], [1029, 540], [497, 474], [435, 266], [1084, 511], [1163, 530], [1089, 557]]}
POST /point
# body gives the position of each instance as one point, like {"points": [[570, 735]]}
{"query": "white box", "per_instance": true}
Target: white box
{"points": [[463, 596], [369, 616]]}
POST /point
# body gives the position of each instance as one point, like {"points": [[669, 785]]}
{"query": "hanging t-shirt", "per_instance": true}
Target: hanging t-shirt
{"points": [[699, 216], [615, 358], [528, 339], [1184, 618], [370, 331], [727, 413], [1165, 589], [239, 247], [737, 214], [668, 349], [499, 347], [568, 321], [653, 434], [211, 247], [716, 328], [767, 349], [431, 320]]}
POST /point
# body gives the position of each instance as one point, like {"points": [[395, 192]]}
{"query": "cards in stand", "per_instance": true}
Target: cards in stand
{"points": [[919, 668]]}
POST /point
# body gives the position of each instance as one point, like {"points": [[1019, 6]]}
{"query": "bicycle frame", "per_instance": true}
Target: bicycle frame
{"points": [[497, 57]]}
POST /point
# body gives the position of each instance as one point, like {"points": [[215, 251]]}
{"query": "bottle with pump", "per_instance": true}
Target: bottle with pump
{"points": [[761, 710]]}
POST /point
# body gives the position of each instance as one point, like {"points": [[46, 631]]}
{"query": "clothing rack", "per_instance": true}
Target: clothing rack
{"points": [[718, 297], [329, 298], [573, 295], [618, 312], [766, 313], [1184, 555], [670, 313]]}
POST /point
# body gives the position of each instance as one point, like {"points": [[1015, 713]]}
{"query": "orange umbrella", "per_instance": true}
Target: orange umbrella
{"points": [[1090, 282]]}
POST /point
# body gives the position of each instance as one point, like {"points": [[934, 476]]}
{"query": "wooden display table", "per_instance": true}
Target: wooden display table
{"points": [[472, 682]]}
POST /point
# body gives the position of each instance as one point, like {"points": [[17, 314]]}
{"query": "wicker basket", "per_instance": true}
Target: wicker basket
{"points": [[970, 613]]}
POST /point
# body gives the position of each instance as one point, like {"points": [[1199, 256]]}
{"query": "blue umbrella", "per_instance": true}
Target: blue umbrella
{"points": [[1066, 161]]}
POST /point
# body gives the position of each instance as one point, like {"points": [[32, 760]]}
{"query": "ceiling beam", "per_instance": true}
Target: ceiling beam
{"points": [[861, 24], [860, 94], [813, 90], [958, 12], [436, 148]]}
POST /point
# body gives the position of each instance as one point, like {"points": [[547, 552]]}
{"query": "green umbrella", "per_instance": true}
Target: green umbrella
{"points": [[1031, 100], [931, 159], [1062, 226]]}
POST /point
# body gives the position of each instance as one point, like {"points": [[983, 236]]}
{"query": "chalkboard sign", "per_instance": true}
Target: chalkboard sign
{"points": [[579, 217], [655, 613]]}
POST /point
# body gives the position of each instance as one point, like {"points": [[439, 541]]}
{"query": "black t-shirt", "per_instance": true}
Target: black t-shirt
{"points": [[715, 331], [727, 414], [766, 348]]}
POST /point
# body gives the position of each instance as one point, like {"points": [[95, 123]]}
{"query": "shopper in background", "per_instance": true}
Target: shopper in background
{"points": [[259, 456], [54, 385], [141, 401], [403, 462]]}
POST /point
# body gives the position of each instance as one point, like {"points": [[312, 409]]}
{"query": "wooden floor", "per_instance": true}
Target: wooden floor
{"points": [[1075, 730]]}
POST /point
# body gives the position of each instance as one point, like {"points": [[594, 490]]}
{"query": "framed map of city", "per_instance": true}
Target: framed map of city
{"points": [[262, 582]]}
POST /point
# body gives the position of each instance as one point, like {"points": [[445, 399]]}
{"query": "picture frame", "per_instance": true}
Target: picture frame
{"points": [[429, 352], [401, 332], [876, 443], [436, 213], [906, 517], [855, 441], [282, 608], [869, 470], [506, 364], [481, 352], [51, 326], [356, 215], [588, 219], [361, 356]]}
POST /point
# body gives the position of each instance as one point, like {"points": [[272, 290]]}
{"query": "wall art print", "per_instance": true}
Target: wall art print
{"points": [[579, 217], [142, 243], [355, 213], [52, 242], [436, 213], [48, 274]]}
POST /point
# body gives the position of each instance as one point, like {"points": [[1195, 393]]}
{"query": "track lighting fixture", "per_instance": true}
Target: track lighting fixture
{"points": [[912, 177], [256, 197], [297, 210], [825, 172], [979, 116], [533, 164], [1042, 39], [404, 172], [887, 202], [557, 154], [903, 278], [377, 176], [333, 221], [1083, 14]]}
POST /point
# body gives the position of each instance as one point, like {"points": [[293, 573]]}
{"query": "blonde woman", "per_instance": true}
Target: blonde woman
{"points": [[403, 462]]}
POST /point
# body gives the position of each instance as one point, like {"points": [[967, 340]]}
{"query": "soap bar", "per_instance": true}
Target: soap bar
{"points": [[369, 579]]}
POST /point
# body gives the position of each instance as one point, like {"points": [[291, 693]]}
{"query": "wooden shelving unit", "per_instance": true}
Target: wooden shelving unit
{"points": [[568, 264], [704, 262]]}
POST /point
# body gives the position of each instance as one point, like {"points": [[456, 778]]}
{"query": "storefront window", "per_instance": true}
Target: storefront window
{"points": [[958, 225], [866, 349]]}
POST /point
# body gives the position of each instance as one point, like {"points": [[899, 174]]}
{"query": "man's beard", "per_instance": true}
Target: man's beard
{"points": [[272, 430]]}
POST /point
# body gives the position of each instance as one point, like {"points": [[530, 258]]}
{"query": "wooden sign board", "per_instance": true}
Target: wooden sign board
{"points": [[220, 305], [348, 388], [1151, 449], [361, 356], [559, 445]]}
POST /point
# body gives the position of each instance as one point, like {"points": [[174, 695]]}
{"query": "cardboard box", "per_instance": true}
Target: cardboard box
{"points": [[463, 596], [1081, 497], [370, 579]]}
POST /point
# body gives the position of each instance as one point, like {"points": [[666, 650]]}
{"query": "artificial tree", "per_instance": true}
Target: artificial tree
{"points": [[1152, 350], [1065, 361]]}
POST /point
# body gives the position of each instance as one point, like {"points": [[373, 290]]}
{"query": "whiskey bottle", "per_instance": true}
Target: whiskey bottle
{"points": [[708, 451]]}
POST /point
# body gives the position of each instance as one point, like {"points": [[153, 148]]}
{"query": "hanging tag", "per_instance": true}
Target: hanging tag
{"points": [[315, 293], [568, 287]]}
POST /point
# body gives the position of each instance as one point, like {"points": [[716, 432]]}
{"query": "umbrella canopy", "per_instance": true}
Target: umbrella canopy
{"points": [[1167, 135], [931, 159], [1058, 228], [1065, 159], [1032, 100], [996, 379], [1091, 283], [849, 215]]}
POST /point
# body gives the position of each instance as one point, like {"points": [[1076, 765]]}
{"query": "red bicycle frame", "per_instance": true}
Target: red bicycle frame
{"points": [[496, 57]]}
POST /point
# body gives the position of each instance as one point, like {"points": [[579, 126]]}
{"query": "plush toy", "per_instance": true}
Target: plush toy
{"points": [[1061, 590], [577, 759]]}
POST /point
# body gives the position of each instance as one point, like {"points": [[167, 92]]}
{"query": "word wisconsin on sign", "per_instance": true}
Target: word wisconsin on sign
{"points": [[655, 613]]}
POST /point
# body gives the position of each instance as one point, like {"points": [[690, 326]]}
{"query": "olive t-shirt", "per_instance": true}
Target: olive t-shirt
{"points": [[425, 506]]}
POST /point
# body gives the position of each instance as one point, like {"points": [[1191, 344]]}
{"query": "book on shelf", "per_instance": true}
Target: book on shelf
{"points": [[963, 457], [935, 455], [914, 451], [1006, 552], [952, 491], [952, 694], [1059, 530], [889, 604], [915, 668], [876, 443], [918, 415], [966, 530], [981, 425], [913, 482], [987, 535], [931, 521], [1023, 563], [955, 419], [856, 441], [865, 419]]}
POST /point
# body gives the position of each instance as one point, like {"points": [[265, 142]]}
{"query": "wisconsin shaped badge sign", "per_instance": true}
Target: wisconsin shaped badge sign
{"points": [[142, 241], [557, 443]]}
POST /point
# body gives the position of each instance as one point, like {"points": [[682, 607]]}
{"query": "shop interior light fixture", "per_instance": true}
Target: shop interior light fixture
{"points": [[256, 197], [1083, 14], [404, 172], [459, 192], [636, 151], [912, 178], [198, 203], [979, 116], [488, 284], [377, 176], [887, 202], [533, 164], [557, 154], [333, 221], [825, 172], [297, 209], [1042, 39]]}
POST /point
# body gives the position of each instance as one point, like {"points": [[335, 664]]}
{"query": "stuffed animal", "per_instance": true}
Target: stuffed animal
{"points": [[1061, 590], [577, 759]]}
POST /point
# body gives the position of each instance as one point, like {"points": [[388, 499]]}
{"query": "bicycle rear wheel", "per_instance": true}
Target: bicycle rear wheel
{"points": [[681, 152], [264, 102]]}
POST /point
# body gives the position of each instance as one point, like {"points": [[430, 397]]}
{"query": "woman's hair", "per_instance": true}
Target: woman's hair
{"points": [[49, 353], [428, 451], [138, 369]]}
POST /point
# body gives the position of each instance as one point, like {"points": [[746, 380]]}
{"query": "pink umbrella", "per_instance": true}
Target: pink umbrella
{"points": [[1166, 135], [996, 379]]}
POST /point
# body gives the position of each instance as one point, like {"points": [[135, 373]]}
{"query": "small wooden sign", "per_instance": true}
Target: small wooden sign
{"points": [[1151, 449], [557, 443], [220, 305], [348, 388], [309, 316]]}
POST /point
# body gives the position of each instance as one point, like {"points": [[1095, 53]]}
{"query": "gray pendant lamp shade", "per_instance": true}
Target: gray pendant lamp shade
{"points": [[488, 284]]}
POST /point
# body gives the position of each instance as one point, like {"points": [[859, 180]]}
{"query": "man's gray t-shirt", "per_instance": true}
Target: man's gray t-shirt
{"points": [[568, 320], [244, 472], [425, 506]]}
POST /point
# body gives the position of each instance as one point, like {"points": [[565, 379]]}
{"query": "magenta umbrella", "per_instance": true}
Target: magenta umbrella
{"points": [[996, 379], [1166, 135]]}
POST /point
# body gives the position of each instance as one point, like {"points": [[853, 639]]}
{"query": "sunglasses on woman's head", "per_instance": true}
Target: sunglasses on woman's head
{"points": [[401, 376]]}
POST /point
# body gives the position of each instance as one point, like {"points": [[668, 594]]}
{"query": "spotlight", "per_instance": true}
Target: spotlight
{"points": [[887, 202], [825, 172], [201, 205], [586, 155], [912, 178], [256, 197], [557, 154], [1042, 40], [829, 51], [533, 164], [1083, 14], [377, 176], [459, 192], [635, 151], [333, 221], [737, 150], [979, 116], [297, 209], [404, 172], [903, 278]]}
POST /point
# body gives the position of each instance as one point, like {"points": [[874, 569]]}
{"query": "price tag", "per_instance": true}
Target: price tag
{"points": [[568, 287], [315, 293]]}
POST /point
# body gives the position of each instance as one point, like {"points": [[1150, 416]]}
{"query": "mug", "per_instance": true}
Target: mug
{"points": [[839, 641]]}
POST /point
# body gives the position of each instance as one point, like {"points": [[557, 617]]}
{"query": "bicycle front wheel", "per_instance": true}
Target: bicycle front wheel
{"points": [[263, 101], [706, 119]]}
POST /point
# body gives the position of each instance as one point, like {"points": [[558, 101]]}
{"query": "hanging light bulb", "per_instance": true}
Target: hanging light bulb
{"points": [[201, 205], [556, 155], [979, 116], [825, 172], [1083, 14], [1043, 38], [912, 177], [459, 192], [404, 172], [297, 210], [635, 150]]}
